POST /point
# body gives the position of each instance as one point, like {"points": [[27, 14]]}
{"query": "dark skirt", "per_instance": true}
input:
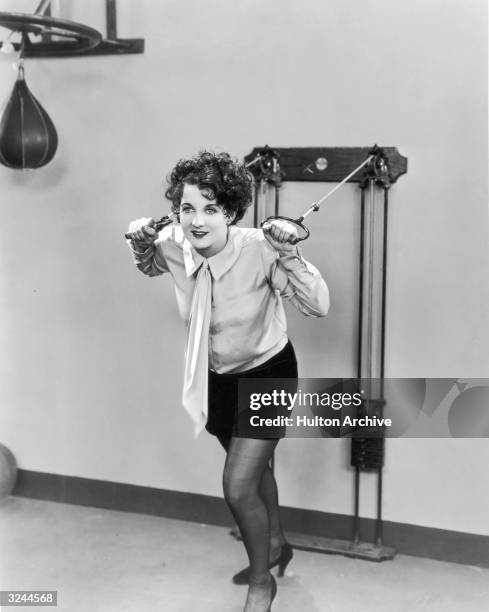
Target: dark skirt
{"points": [[223, 390]]}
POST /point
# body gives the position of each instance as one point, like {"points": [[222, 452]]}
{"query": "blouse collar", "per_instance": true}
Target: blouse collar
{"points": [[219, 263]]}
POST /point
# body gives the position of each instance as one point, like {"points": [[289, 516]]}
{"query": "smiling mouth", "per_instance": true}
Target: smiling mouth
{"points": [[199, 234]]}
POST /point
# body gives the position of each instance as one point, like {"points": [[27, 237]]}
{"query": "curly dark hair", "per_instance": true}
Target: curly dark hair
{"points": [[223, 178]]}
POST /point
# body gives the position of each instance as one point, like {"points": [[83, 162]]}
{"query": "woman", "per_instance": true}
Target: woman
{"points": [[229, 284]]}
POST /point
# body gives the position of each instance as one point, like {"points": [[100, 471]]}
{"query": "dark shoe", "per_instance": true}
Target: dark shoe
{"points": [[286, 554]]}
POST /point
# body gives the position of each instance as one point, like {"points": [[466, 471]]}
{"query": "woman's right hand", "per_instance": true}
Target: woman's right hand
{"points": [[142, 232]]}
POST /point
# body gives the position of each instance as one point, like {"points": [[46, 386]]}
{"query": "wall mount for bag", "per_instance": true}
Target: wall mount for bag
{"points": [[28, 137], [382, 166], [64, 38]]}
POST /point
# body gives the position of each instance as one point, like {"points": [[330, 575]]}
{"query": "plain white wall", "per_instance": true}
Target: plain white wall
{"points": [[91, 351]]}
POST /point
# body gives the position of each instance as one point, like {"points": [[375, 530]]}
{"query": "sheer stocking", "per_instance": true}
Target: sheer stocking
{"points": [[269, 494], [245, 464]]}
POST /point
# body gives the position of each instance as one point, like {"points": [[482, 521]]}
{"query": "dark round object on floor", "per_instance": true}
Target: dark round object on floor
{"points": [[8, 472]]}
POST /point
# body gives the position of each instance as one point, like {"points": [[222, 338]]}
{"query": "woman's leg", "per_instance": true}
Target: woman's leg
{"points": [[268, 491], [246, 461], [269, 494]]}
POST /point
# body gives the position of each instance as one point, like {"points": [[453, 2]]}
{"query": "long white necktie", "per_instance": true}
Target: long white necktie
{"points": [[195, 379]]}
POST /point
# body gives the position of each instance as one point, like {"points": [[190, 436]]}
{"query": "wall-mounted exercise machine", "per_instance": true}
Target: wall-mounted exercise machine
{"points": [[375, 169]]}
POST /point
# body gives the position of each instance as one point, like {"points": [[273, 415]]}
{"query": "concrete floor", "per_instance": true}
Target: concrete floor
{"points": [[102, 560]]}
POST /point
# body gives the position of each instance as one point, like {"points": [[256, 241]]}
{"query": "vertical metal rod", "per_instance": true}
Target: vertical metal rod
{"points": [[276, 171], [269, 199], [356, 520], [262, 201], [46, 12], [42, 7], [370, 283], [277, 212], [360, 291], [23, 44], [384, 282], [378, 528], [257, 196], [111, 19], [378, 525]]}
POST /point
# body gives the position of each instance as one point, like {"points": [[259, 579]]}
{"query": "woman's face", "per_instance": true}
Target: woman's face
{"points": [[203, 222]]}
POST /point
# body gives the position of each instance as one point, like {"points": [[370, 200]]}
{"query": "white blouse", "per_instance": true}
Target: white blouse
{"points": [[249, 279]]}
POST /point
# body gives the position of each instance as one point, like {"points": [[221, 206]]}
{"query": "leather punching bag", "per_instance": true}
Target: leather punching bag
{"points": [[28, 138]]}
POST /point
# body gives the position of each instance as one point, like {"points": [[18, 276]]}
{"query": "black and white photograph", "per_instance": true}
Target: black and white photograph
{"points": [[244, 288]]}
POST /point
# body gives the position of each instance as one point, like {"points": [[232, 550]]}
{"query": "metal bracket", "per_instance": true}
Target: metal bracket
{"points": [[264, 165], [378, 170], [78, 40], [331, 164]]}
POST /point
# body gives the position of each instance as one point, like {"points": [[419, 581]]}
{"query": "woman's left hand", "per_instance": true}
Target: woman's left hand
{"points": [[281, 234]]}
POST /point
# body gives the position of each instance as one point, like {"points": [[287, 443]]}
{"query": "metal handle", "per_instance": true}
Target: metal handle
{"points": [[297, 222], [166, 220]]}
